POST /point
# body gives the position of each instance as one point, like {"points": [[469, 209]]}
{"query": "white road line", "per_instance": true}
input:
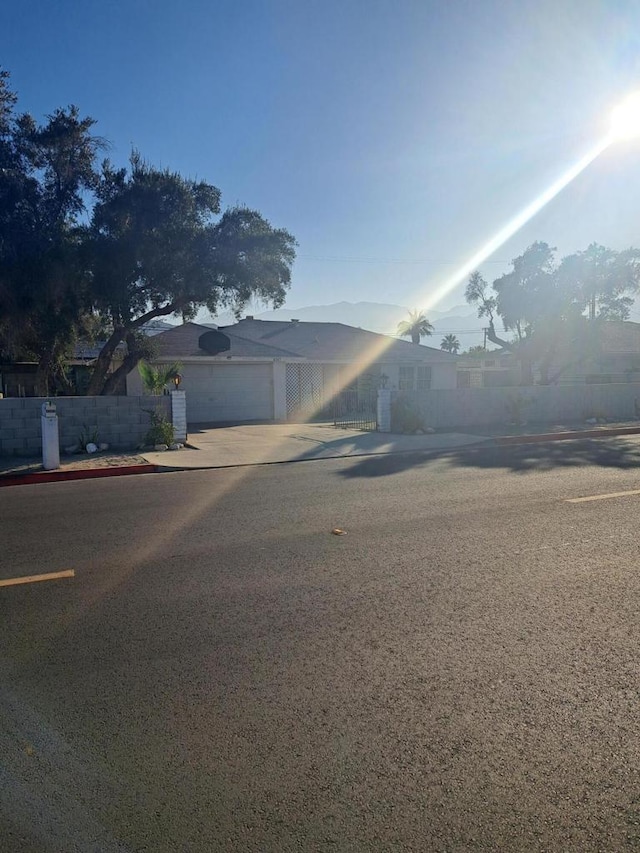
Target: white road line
{"points": [[602, 497], [52, 576]]}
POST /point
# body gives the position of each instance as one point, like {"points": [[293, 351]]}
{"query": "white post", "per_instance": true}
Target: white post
{"points": [[50, 441], [179, 415], [384, 409]]}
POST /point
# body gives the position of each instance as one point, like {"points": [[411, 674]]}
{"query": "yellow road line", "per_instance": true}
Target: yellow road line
{"points": [[602, 497], [52, 576]]}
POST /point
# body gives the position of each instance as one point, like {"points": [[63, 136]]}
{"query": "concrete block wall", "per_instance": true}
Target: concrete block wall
{"points": [[122, 422], [542, 404]]}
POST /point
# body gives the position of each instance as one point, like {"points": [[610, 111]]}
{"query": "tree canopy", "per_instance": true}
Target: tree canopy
{"points": [[157, 246], [47, 170], [87, 247], [550, 308]]}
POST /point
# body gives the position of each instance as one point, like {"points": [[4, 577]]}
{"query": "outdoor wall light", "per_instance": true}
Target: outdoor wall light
{"points": [[177, 379]]}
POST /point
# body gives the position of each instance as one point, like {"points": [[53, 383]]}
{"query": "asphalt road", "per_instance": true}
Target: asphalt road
{"points": [[459, 672]]}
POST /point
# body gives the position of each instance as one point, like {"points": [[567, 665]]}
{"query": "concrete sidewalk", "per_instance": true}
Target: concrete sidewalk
{"points": [[254, 444]]}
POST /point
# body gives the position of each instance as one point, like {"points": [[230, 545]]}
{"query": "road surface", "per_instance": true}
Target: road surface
{"points": [[460, 671]]}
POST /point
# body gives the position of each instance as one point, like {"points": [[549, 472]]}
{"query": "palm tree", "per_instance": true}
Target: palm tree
{"points": [[416, 327], [450, 344], [155, 379]]}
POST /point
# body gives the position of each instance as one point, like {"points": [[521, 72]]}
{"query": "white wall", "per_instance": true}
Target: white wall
{"points": [[443, 375], [547, 404]]}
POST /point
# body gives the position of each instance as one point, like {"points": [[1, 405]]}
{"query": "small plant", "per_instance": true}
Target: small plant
{"points": [[88, 436], [161, 431], [515, 409], [155, 379]]}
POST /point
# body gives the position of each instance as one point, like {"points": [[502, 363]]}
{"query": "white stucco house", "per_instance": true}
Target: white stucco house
{"points": [[272, 370]]}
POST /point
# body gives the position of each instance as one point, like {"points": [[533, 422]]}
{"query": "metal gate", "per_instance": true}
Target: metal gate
{"points": [[353, 409], [305, 390]]}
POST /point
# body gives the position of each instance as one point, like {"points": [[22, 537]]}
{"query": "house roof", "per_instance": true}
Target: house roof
{"points": [[183, 341], [620, 337], [333, 342]]}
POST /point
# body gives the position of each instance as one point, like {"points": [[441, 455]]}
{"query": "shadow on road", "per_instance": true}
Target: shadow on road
{"points": [[517, 459]]}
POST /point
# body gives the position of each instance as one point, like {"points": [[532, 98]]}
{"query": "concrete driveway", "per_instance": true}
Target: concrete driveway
{"points": [[254, 444]]}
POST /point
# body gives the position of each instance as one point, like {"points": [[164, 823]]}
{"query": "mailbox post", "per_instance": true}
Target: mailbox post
{"points": [[50, 442]]}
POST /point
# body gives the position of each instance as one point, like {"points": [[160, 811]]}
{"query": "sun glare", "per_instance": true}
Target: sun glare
{"points": [[513, 226], [625, 118], [625, 123]]}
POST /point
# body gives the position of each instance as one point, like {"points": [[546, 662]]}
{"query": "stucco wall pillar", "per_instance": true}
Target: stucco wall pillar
{"points": [[279, 390], [384, 410], [179, 415]]}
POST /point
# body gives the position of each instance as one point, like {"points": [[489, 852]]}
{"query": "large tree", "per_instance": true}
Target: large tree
{"points": [[603, 280], [546, 306], [47, 171], [158, 246]]}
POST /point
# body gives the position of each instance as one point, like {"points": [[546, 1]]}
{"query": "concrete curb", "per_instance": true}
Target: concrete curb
{"points": [[127, 470], [534, 438], [77, 474]]}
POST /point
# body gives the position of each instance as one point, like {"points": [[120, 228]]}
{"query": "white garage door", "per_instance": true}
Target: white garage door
{"points": [[228, 392]]}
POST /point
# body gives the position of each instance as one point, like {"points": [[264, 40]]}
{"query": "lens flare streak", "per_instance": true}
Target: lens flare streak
{"points": [[518, 222]]}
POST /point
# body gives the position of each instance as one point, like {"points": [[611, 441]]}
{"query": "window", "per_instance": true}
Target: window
{"points": [[405, 378], [424, 377], [490, 362]]}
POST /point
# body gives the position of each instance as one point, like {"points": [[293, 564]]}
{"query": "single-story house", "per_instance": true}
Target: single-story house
{"points": [[491, 369], [609, 352], [272, 370], [617, 355]]}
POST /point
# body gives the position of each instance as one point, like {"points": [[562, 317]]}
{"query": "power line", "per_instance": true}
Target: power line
{"points": [[354, 260]]}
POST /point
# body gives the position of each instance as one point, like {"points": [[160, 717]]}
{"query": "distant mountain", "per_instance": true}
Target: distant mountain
{"points": [[381, 317]]}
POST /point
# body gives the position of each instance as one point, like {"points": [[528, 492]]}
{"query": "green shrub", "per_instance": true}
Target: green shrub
{"points": [[161, 431], [405, 417]]}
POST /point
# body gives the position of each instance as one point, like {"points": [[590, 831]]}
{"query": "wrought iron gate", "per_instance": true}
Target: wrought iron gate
{"points": [[353, 409]]}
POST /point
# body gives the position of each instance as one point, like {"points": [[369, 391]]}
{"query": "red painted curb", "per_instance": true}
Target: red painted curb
{"points": [[77, 474], [566, 436]]}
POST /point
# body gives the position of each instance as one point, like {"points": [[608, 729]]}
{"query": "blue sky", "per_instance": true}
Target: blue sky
{"points": [[392, 138]]}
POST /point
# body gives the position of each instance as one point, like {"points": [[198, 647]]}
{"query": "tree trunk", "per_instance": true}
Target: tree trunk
{"points": [[100, 380], [491, 334], [116, 382], [103, 363], [415, 337], [44, 372]]}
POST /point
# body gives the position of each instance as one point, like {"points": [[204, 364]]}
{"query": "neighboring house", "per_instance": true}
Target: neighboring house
{"points": [[494, 368], [18, 379], [266, 370], [609, 353], [618, 359]]}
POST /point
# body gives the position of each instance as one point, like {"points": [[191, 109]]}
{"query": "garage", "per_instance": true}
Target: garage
{"points": [[228, 392]]}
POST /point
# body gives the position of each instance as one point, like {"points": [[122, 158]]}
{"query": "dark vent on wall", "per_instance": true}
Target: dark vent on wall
{"points": [[214, 342]]}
